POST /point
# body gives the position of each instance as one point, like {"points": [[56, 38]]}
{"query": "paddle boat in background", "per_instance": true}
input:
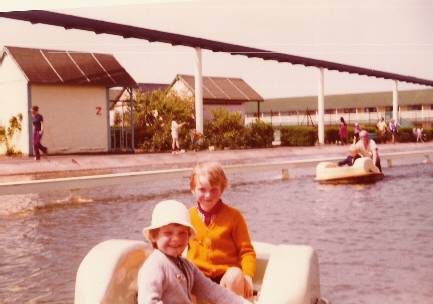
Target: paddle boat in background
{"points": [[286, 274], [362, 171]]}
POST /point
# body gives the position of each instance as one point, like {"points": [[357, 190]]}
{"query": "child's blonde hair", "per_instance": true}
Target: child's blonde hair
{"points": [[214, 173]]}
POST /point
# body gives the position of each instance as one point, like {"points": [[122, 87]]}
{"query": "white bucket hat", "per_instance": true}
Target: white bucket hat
{"points": [[169, 212]]}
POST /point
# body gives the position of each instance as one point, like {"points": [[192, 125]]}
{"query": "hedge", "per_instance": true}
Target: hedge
{"points": [[259, 135], [298, 136]]}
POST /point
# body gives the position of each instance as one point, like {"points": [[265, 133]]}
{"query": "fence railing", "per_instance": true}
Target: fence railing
{"points": [[284, 119]]}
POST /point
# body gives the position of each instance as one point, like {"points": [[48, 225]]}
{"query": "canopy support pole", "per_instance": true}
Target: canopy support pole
{"points": [[321, 108], [131, 99], [395, 102], [198, 80]]}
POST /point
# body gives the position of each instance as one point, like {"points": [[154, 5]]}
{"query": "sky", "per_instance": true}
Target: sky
{"points": [[394, 36]]}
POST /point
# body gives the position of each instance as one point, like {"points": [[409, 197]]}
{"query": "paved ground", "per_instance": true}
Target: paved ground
{"points": [[69, 165]]}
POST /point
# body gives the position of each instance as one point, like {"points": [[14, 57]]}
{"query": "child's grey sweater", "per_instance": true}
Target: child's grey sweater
{"points": [[160, 280]]}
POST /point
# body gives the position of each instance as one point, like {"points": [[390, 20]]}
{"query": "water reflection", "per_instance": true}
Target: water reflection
{"points": [[375, 242]]}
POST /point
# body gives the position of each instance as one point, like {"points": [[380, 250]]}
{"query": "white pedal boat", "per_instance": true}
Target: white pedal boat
{"points": [[286, 274], [363, 170]]}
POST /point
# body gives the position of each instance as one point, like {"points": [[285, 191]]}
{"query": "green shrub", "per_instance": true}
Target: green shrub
{"points": [[428, 134], [259, 135], [298, 136], [154, 112], [331, 134], [2, 135], [405, 135], [226, 129], [7, 134]]}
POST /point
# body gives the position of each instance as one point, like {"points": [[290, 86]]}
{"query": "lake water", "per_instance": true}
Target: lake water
{"points": [[374, 242]]}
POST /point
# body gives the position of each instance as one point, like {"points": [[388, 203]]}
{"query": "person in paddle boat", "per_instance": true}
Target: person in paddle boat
{"points": [[167, 277], [350, 160], [221, 248], [368, 148]]}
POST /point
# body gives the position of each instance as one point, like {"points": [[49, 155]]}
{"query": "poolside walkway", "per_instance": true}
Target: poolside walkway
{"points": [[70, 165]]}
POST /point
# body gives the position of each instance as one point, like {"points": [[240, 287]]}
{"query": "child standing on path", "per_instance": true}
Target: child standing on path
{"points": [[222, 247], [165, 276], [175, 136]]}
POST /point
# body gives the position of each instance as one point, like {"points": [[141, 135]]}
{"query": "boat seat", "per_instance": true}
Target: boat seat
{"points": [[108, 273]]}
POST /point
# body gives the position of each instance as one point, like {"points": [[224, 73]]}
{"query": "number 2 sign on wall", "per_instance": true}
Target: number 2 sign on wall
{"points": [[98, 111]]}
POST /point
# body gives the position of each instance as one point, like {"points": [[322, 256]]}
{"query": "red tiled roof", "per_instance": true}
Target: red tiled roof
{"points": [[231, 90], [43, 66]]}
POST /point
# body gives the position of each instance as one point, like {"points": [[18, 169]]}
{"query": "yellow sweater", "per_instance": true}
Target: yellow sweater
{"points": [[223, 244]]}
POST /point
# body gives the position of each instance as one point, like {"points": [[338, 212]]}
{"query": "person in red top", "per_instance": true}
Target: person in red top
{"points": [[221, 248], [342, 132]]}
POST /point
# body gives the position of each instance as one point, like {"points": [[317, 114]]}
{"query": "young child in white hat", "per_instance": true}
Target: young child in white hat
{"points": [[166, 277]]}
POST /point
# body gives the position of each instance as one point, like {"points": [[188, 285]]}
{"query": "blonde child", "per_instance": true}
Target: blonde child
{"points": [[222, 247], [166, 277]]}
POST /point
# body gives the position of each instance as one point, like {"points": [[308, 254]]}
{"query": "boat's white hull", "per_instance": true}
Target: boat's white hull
{"points": [[363, 170], [286, 274]]}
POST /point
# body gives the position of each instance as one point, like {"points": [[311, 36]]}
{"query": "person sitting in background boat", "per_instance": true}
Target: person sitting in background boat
{"points": [[367, 148], [166, 277], [350, 160]]}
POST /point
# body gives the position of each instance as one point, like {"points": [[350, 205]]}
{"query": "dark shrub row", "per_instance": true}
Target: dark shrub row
{"points": [[298, 136], [155, 111]]}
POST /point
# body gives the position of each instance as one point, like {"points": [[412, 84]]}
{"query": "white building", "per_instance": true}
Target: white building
{"points": [[226, 92], [71, 90], [415, 108]]}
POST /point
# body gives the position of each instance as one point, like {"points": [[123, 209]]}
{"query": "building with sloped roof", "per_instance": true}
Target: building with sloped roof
{"points": [[71, 90], [415, 107], [227, 92]]}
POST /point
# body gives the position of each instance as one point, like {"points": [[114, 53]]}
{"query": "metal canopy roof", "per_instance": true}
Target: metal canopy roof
{"points": [[228, 89], [65, 67], [128, 31]]}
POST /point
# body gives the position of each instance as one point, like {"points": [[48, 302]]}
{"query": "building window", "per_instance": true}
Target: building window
{"points": [[349, 110], [329, 111], [388, 109], [414, 107], [370, 109]]}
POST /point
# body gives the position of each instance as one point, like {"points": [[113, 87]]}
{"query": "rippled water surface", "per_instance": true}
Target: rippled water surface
{"points": [[375, 242]]}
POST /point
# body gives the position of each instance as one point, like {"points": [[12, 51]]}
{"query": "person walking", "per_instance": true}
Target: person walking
{"points": [[38, 131], [393, 129], [342, 132], [419, 135], [356, 131], [381, 128]]}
